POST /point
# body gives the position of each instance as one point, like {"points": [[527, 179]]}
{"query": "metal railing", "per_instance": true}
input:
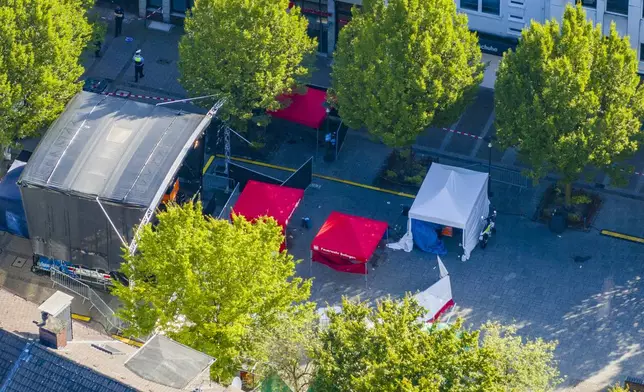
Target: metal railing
{"points": [[502, 175], [509, 177], [71, 284], [232, 199], [106, 315]]}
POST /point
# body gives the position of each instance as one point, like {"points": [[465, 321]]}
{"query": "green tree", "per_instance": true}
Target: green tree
{"points": [[569, 97], [218, 287], [390, 349], [250, 52], [40, 45], [291, 347], [402, 65], [617, 388]]}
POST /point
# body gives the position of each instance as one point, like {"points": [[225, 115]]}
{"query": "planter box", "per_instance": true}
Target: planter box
{"points": [[581, 216]]}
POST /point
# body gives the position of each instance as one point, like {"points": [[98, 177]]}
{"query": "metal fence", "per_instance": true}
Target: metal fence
{"points": [[502, 175], [108, 318], [216, 181], [227, 209], [105, 316], [509, 177], [71, 284]]}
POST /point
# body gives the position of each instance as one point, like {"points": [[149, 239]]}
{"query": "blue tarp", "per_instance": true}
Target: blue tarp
{"points": [[426, 238], [12, 213]]}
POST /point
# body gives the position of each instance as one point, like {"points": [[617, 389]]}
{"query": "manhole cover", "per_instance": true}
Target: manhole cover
{"points": [[164, 61], [19, 262]]}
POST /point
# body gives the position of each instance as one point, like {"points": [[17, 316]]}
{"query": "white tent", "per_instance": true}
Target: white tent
{"points": [[437, 299], [451, 196]]}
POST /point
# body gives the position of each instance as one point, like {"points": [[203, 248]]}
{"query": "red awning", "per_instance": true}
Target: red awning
{"points": [[260, 199], [306, 109], [345, 242]]}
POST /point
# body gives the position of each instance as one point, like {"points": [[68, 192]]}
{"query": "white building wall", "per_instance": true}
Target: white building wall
{"points": [[506, 24]]}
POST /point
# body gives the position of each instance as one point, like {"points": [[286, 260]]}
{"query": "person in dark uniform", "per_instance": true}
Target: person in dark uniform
{"points": [[138, 65], [119, 14], [97, 48]]}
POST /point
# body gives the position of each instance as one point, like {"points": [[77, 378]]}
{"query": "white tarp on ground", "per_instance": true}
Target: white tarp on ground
{"points": [[438, 297], [450, 196]]}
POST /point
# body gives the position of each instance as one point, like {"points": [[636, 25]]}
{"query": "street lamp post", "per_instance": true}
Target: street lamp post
{"points": [[328, 110], [489, 140]]}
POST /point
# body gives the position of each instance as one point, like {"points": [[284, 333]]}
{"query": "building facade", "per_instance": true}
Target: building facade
{"points": [[504, 19], [498, 22]]}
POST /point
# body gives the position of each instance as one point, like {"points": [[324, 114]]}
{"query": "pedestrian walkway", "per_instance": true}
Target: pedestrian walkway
{"points": [[466, 140]]}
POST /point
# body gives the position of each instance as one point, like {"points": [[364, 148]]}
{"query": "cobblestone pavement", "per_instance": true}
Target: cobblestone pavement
{"points": [[526, 276]]}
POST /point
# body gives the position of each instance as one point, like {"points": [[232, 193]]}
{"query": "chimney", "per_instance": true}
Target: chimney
{"points": [[56, 314], [53, 333]]}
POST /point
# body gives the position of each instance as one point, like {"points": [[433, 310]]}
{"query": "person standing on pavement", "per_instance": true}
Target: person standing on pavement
{"points": [[138, 65], [119, 14]]}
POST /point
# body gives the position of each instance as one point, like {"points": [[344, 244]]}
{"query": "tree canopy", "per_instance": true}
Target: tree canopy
{"points": [[402, 65], [218, 287], [40, 45], [569, 97], [390, 349], [250, 52]]}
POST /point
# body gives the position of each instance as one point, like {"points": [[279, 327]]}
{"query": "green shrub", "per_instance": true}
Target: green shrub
{"points": [[581, 199], [414, 180], [391, 175]]}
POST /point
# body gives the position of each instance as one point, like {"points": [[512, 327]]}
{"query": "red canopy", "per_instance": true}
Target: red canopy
{"points": [[260, 199], [346, 242], [306, 109]]}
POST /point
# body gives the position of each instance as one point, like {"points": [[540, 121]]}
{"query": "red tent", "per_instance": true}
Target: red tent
{"points": [[260, 199], [347, 242], [306, 109]]}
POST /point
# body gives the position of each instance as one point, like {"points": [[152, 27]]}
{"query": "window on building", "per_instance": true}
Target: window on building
{"points": [[470, 5], [492, 7], [641, 52], [617, 6], [589, 3]]}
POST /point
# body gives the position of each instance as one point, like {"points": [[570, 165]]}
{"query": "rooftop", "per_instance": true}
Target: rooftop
{"points": [[78, 366], [114, 148]]}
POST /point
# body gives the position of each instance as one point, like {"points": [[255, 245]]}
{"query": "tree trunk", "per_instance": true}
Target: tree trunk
{"points": [[411, 161], [568, 194]]}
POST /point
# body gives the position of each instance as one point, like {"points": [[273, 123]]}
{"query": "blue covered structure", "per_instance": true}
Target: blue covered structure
{"points": [[426, 237], [12, 213]]}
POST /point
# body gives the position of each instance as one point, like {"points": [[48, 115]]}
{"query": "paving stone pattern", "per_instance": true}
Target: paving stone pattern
{"points": [[526, 276]]}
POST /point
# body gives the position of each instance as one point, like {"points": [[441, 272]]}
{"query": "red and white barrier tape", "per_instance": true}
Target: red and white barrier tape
{"points": [[128, 95], [463, 133], [481, 138]]}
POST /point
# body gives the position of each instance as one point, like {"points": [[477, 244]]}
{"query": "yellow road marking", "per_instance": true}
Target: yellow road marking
{"points": [[323, 177], [205, 168], [127, 341], [622, 236], [80, 317]]}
